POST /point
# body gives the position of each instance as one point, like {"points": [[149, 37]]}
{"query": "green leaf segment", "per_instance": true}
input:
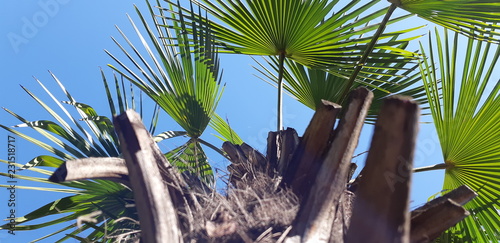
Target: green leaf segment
{"points": [[478, 19]]}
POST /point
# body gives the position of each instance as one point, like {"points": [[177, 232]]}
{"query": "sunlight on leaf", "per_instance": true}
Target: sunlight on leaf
{"points": [[468, 128]]}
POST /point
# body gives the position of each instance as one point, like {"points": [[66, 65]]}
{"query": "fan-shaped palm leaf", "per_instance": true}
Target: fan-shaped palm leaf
{"points": [[183, 81], [182, 77], [74, 140], [467, 120], [112, 199], [307, 31], [479, 19]]}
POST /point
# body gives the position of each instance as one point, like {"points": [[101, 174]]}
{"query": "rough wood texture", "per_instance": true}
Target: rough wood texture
{"points": [[342, 217], [436, 216], [157, 213], [308, 155], [315, 219], [245, 161], [92, 168], [461, 195], [381, 207], [436, 219], [280, 148]]}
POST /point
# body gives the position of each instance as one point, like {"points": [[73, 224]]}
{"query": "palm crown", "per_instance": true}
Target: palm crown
{"points": [[315, 49]]}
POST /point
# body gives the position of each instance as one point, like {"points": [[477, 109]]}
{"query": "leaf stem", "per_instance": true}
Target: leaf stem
{"points": [[441, 166], [280, 91], [368, 51], [213, 147]]}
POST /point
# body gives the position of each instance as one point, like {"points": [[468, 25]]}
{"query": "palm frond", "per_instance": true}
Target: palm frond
{"points": [[309, 31], [181, 74], [90, 196], [468, 125], [92, 135], [479, 19], [43, 160], [190, 158], [72, 141]]}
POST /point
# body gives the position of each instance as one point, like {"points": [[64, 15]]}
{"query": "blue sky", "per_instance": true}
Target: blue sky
{"points": [[68, 38]]}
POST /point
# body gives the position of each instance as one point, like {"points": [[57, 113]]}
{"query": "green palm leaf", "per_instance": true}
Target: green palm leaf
{"points": [[468, 125], [226, 133], [191, 158], [91, 196], [306, 31], [73, 140], [43, 160], [85, 144], [168, 134], [479, 19], [181, 75]]}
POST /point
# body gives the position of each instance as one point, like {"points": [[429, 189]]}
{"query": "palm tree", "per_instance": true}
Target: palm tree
{"points": [[264, 28], [308, 55]]}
